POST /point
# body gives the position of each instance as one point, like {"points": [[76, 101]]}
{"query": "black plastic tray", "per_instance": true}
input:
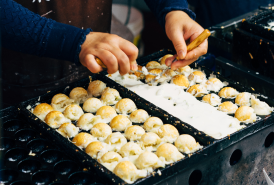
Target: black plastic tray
{"points": [[93, 165], [47, 164]]}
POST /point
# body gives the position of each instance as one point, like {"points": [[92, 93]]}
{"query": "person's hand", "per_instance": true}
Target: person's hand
{"points": [[115, 52], [179, 28]]}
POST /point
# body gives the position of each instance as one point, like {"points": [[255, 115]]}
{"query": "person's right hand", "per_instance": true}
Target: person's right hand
{"points": [[115, 52]]}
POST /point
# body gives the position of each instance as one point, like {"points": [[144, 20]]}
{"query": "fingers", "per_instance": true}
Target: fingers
{"points": [[197, 52], [131, 51], [181, 63], [123, 61], [177, 38], [91, 64], [169, 60]]}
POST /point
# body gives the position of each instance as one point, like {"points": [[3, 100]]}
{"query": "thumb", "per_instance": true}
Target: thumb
{"points": [[179, 43]]}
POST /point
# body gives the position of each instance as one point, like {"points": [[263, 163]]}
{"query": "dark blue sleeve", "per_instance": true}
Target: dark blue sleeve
{"points": [[27, 32], [161, 7]]}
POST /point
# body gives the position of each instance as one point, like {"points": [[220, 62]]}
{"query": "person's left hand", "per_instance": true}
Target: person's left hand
{"points": [[179, 28]]}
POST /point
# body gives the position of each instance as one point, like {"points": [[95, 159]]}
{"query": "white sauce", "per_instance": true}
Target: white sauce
{"points": [[200, 115]]}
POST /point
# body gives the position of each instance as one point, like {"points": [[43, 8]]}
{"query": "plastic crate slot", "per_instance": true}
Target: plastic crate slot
{"points": [[235, 157], [195, 177], [269, 139]]}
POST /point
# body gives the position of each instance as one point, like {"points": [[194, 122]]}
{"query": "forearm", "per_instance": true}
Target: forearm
{"points": [[161, 7], [25, 31]]}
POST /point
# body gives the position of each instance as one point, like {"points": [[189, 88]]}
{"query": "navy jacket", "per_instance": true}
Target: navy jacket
{"points": [[27, 32]]}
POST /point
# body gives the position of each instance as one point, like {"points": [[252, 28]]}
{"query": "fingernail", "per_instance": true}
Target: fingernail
{"points": [[134, 67], [181, 54]]}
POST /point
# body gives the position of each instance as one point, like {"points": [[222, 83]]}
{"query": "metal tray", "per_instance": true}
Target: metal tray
{"points": [[91, 164], [28, 157]]}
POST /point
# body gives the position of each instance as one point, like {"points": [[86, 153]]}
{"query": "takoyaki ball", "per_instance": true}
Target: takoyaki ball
{"points": [[148, 160], [153, 65], [42, 110], [169, 152], [197, 90], [82, 140], [73, 112], [214, 84], [139, 116], [127, 171], [228, 92], [125, 106], [92, 105], [168, 133], [153, 124], [163, 59], [101, 130], [150, 141], [187, 144], [243, 99], [96, 149], [197, 77], [110, 96], [115, 140], [149, 77], [87, 121], [245, 114], [110, 157], [68, 130], [134, 132], [212, 99], [120, 123], [184, 70], [59, 102], [79, 95], [139, 75], [228, 107], [107, 113], [180, 80], [130, 148], [260, 108], [55, 119], [96, 88]]}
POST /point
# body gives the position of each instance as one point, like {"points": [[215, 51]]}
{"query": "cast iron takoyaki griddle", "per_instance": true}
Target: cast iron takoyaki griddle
{"points": [[91, 164], [28, 157]]}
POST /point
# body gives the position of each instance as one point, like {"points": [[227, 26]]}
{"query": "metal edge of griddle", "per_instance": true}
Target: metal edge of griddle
{"points": [[250, 25], [92, 164], [225, 142]]}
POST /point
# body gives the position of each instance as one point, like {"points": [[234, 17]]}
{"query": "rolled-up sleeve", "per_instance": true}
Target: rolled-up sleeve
{"points": [[27, 32]]}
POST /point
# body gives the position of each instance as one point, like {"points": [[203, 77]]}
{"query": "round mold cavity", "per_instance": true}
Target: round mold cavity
{"points": [[29, 166], [16, 154], [195, 177], [235, 157], [7, 175], [65, 167], [43, 177], [20, 183], [25, 135], [52, 156], [6, 143], [13, 125], [269, 139], [81, 178], [37, 145]]}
